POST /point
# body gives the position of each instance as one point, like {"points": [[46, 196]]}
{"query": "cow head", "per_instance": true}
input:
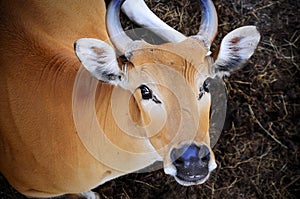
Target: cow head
{"points": [[169, 87]]}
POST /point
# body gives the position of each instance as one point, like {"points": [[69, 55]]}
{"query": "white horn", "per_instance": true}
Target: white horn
{"points": [[116, 33], [209, 21], [138, 11]]}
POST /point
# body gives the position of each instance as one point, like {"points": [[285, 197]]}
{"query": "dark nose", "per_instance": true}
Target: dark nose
{"points": [[191, 162]]}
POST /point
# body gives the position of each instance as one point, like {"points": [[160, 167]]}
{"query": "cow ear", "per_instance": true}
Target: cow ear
{"points": [[236, 48], [99, 59]]}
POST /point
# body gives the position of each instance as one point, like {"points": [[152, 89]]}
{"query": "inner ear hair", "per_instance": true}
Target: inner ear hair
{"points": [[236, 48]]}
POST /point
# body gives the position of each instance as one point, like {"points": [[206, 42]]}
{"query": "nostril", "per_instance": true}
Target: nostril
{"points": [[204, 154], [179, 162], [185, 153], [191, 155], [176, 156], [205, 158]]}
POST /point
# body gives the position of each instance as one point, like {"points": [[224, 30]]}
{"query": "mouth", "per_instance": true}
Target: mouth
{"points": [[191, 178]]}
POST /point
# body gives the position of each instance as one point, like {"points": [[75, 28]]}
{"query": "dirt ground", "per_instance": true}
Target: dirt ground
{"points": [[258, 151]]}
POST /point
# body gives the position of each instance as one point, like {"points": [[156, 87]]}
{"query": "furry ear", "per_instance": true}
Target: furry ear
{"points": [[99, 59], [236, 48]]}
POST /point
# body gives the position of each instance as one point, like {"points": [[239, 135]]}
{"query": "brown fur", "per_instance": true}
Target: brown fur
{"points": [[41, 153]]}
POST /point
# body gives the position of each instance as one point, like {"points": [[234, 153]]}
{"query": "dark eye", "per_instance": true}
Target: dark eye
{"points": [[146, 92], [203, 89], [206, 86]]}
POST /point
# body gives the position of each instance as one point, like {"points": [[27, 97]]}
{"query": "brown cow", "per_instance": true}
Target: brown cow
{"points": [[63, 131]]}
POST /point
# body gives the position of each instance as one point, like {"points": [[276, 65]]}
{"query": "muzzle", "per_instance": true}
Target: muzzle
{"points": [[191, 162]]}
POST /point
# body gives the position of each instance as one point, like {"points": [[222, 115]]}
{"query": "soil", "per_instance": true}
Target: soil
{"points": [[258, 151]]}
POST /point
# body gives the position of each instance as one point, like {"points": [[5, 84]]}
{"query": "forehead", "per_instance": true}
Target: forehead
{"points": [[172, 61]]}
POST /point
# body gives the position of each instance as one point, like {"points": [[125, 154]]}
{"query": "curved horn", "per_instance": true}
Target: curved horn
{"points": [[117, 35], [209, 21], [138, 11]]}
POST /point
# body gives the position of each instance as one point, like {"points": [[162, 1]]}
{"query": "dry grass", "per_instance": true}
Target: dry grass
{"points": [[258, 152]]}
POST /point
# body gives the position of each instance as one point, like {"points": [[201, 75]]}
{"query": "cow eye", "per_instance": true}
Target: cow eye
{"points": [[206, 86], [146, 92], [203, 89]]}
